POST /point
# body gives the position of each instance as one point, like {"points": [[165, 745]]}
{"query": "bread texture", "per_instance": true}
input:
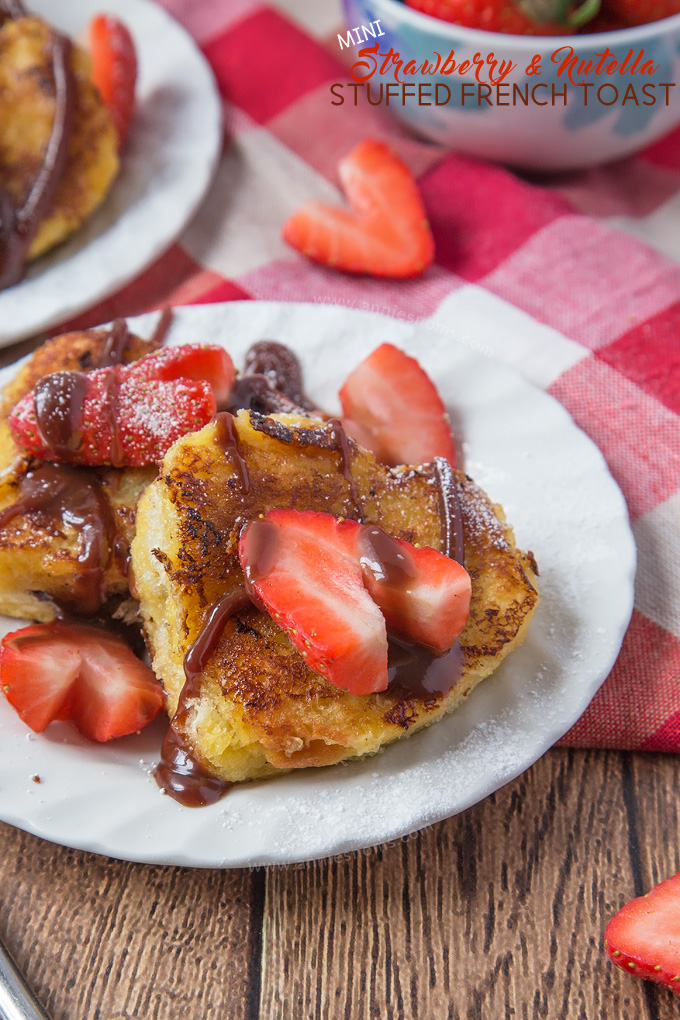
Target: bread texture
{"points": [[259, 708], [28, 105]]}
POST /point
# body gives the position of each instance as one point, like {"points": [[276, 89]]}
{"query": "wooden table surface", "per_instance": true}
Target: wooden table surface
{"points": [[496, 913]]}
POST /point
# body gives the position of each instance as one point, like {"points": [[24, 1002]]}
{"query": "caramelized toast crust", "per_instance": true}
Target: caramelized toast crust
{"points": [[260, 709]]}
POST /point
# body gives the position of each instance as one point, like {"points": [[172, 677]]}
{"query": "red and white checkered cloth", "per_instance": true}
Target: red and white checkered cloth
{"points": [[596, 255]]}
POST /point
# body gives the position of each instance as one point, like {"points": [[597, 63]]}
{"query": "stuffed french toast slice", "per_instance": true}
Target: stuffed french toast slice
{"points": [[253, 707], [67, 552]]}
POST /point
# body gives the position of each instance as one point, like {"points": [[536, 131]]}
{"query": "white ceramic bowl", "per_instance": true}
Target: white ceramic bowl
{"points": [[545, 137]]}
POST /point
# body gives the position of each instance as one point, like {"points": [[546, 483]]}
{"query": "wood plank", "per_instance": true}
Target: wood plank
{"points": [[499, 912], [99, 938]]}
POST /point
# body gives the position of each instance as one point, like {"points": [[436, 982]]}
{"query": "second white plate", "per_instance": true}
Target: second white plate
{"points": [[524, 449], [167, 165]]}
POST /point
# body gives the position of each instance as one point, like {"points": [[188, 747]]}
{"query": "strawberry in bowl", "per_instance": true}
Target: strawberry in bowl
{"points": [[505, 80]]}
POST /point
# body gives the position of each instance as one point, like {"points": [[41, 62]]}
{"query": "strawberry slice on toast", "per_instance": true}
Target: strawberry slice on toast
{"points": [[120, 419], [384, 233], [303, 568], [644, 937], [424, 596], [199, 362], [391, 406], [336, 586], [62, 671]]}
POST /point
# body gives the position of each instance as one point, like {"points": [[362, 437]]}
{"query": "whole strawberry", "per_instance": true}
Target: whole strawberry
{"points": [[514, 17], [644, 937]]}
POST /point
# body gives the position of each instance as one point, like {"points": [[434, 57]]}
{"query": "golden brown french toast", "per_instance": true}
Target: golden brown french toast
{"points": [[259, 708], [27, 114], [49, 557]]}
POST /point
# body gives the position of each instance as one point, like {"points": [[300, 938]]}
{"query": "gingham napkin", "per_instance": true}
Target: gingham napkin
{"points": [[593, 254]]}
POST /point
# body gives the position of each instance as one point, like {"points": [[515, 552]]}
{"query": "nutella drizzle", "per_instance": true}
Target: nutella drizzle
{"points": [[18, 225], [271, 383], [109, 406], [413, 670], [263, 543], [281, 368], [162, 326], [227, 438], [180, 773], [58, 401], [452, 533], [341, 444], [116, 342], [57, 495]]}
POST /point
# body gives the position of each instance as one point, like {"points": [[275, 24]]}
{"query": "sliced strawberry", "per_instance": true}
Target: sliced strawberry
{"points": [[200, 362], [304, 569], [59, 671], [385, 233], [392, 407], [115, 418], [644, 937], [114, 69], [424, 596]]}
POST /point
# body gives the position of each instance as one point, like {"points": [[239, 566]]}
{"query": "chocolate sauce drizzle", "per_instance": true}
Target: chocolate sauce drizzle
{"points": [[59, 496], [227, 438], [281, 368], [341, 444], [18, 224], [180, 772], [163, 324], [272, 383], [116, 342], [452, 535], [58, 401]]}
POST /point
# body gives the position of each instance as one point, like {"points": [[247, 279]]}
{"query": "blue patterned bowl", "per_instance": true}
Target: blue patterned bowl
{"points": [[547, 120]]}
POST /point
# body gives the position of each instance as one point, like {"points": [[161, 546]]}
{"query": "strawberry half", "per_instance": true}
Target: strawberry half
{"points": [[200, 362], [114, 69], [116, 417], [304, 569], [385, 233], [424, 596], [391, 406], [644, 937], [59, 671]]}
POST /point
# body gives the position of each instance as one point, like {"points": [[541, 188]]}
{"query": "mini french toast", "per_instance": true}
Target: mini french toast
{"points": [[58, 143], [68, 551], [244, 701]]}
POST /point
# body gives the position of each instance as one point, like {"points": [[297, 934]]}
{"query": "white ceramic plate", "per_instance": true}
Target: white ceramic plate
{"points": [[523, 447], [167, 165]]}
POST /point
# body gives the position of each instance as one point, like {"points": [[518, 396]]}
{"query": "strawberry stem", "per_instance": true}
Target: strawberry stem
{"points": [[585, 13]]}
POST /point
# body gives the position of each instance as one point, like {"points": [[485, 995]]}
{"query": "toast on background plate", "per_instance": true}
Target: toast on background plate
{"points": [[58, 143], [257, 708]]}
